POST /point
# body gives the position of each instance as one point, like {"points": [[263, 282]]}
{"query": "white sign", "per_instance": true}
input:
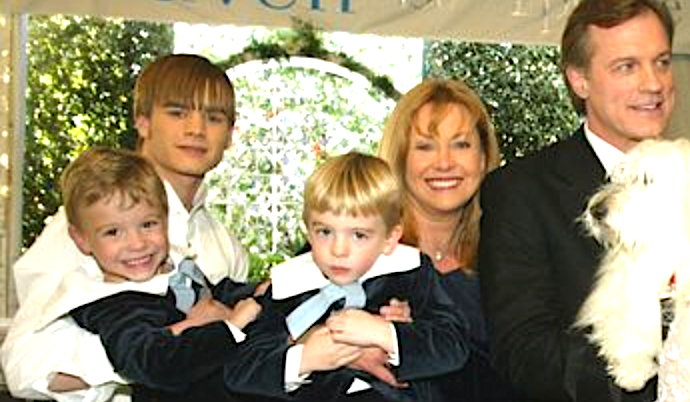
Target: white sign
{"points": [[520, 21]]}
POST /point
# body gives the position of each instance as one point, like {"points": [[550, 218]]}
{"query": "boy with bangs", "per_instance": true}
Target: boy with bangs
{"points": [[184, 110], [296, 350], [117, 211]]}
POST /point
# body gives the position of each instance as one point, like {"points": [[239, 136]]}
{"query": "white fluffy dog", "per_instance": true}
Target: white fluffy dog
{"points": [[642, 217]]}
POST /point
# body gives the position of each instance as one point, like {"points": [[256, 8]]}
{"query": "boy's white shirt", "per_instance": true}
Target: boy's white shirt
{"points": [[54, 320], [32, 355], [300, 275], [66, 299]]}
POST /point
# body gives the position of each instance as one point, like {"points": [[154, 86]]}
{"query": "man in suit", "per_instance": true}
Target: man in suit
{"points": [[536, 263]]}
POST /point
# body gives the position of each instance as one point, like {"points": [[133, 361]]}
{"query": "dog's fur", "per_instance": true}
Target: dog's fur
{"points": [[642, 218]]}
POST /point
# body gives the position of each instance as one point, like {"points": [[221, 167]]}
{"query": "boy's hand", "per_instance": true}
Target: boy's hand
{"points": [[204, 311], [208, 310], [321, 353], [375, 362], [346, 327], [244, 312], [397, 311]]}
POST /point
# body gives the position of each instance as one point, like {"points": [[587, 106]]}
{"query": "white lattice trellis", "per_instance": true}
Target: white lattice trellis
{"points": [[287, 122]]}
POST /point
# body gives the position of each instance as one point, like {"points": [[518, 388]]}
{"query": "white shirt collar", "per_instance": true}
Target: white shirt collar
{"points": [[608, 154], [78, 288], [174, 202], [300, 274], [180, 222]]}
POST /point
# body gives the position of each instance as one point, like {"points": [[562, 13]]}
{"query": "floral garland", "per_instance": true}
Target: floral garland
{"points": [[305, 41]]}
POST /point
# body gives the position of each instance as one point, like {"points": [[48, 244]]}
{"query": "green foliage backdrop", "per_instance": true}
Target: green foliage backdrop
{"points": [[290, 119], [292, 112], [81, 72], [521, 85]]}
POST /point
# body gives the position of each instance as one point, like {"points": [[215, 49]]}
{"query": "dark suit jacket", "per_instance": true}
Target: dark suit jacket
{"points": [[434, 344], [536, 266], [160, 365]]}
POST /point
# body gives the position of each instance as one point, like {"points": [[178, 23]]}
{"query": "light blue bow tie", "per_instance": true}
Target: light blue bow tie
{"points": [[309, 312], [185, 295]]}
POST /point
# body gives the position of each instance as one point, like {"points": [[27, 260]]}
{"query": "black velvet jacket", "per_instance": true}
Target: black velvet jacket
{"points": [[133, 329], [435, 343]]}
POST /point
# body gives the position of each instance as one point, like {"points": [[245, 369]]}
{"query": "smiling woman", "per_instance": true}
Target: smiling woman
{"points": [[440, 143]]}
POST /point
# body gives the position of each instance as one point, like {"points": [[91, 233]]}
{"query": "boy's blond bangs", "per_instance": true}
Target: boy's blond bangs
{"points": [[354, 184]]}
